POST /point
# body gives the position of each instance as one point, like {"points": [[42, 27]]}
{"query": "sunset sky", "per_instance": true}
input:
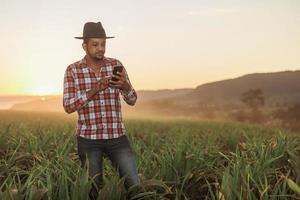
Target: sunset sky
{"points": [[163, 44]]}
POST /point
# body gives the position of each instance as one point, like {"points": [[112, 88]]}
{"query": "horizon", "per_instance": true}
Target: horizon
{"points": [[198, 42], [142, 90]]}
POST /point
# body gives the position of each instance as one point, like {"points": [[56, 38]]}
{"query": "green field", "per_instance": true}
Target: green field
{"points": [[177, 159]]}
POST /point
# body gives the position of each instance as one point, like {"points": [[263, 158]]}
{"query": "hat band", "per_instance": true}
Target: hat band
{"points": [[94, 35]]}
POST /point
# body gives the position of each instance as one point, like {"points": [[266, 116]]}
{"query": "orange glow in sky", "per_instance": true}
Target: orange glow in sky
{"points": [[163, 44]]}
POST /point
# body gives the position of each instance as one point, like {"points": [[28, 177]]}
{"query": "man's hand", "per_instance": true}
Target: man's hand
{"points": [[121, 83], [103, 84]]}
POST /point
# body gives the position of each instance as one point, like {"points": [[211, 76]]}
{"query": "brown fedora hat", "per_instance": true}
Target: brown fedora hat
{"points": [[93, 30]]}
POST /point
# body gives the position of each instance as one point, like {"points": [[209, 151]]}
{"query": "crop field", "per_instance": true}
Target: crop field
{"points": [[176, 159]]}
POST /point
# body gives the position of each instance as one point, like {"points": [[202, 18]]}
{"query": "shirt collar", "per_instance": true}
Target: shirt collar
{"points": [[83, 63]]}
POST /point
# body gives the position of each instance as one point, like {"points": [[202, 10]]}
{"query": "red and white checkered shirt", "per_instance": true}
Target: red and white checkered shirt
{"points": [[99, 117]]}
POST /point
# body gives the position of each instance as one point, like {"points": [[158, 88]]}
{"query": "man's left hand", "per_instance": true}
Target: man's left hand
{"points": [[121, 83]]}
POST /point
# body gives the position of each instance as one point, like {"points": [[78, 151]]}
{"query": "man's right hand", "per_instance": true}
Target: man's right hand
{"points": [[103, 84]]}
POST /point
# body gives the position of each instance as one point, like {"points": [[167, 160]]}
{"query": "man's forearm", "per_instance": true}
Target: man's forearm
{"points": [[77, 102], [73, 102]]}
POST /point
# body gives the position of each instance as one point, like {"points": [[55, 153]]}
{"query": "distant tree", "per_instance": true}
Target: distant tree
{"points": [[254, 100]]}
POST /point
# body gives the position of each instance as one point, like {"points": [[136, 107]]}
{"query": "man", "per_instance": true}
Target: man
{"points": [[90, 90]]}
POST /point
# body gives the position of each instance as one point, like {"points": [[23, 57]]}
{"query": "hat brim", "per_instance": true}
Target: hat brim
{"points": [[93, 37]]}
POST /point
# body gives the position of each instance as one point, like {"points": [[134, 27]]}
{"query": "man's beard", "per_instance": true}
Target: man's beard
{"points": [[97, 56]]}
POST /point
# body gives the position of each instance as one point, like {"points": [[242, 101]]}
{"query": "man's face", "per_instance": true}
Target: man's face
{"points": [[95, 48]]}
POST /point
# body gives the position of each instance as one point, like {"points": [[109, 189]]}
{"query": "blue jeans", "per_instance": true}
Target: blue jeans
{"points": [[119, 152]]}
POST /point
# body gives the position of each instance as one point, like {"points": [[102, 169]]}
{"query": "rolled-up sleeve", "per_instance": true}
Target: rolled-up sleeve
{"points": [[130, 96], [72, 101]]}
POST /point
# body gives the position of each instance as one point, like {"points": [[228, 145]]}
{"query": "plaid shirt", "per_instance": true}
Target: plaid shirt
{"points": [[99, 117]]}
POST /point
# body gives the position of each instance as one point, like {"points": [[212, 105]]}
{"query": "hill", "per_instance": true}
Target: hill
{"points": [[278, 88]]}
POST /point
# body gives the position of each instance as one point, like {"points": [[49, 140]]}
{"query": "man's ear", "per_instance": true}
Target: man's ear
{"points": [[84, 46]]}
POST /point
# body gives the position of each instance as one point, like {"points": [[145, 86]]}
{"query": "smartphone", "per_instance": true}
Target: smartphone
{"points": [[118, 68]]}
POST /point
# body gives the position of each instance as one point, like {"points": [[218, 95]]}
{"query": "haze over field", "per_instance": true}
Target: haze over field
{"points": [[278, 89]]}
